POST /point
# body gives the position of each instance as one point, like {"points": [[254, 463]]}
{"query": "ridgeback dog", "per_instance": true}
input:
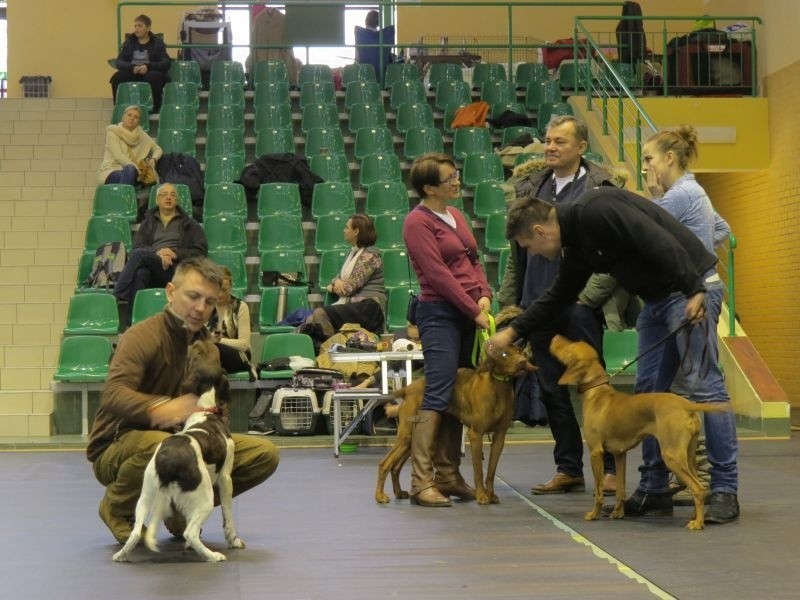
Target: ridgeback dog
{"points": [[617, 422], [483, 400]]}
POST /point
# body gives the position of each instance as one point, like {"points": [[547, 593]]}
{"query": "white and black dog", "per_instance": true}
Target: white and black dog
{"points": [[181, 476]]}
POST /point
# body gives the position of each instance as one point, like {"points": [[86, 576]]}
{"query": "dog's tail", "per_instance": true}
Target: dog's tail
{"points": [[392, 410], [709, 407]]}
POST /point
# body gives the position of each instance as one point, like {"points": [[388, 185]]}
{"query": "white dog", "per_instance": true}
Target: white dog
{"points": [[183, 472]]}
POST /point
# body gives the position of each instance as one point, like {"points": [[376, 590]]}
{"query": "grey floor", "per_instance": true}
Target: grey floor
{"points": [[314, 532]]}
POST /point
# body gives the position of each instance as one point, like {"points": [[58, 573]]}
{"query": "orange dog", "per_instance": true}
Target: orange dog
{"points": [[617, 422], [483, 400]]}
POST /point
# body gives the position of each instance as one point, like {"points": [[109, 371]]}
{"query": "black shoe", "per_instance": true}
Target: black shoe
{"points": [[643, 504], [722, 508], [258, 428]]}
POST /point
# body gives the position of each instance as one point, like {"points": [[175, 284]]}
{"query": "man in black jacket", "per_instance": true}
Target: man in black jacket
{"points": [[166, 236]]}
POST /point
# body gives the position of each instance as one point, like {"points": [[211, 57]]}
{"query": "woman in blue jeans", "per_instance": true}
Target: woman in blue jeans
{"points": [[454, 298], [688, 363]]}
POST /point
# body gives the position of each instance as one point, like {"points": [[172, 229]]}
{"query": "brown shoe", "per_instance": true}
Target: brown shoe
{"points": [[120, 527], [560, 484], [609, 484], [459, 489]]}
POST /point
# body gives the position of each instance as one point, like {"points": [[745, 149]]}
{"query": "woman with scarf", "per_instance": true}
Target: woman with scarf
{"points": [[230, 328], [126, 145]]}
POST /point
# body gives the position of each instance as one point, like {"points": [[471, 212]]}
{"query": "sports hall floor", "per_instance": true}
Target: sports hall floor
{"points": [[314, 531]]}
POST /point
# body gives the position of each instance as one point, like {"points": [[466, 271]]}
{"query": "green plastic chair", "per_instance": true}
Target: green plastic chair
{"points": [[226, 232], [502, 262], [329, 139], [224, 92], [528, 72], [333, 197], [489, 199], [184, 197], [282, 261], [449, 115], [270, 70], [227, 71], [422, 140], [225, 142], [498, 109], [279, 198], [398, 72], [144, 122], [319, 115], [443, 72], [314, 73], [225, 116], [495, 239], [272, 92], [362, 92], [317, 92], [85, 264], [177, 140], [296, 298], [486, 72], [450, 92], [397, 307], [92, 314], [328, 235], [397, 270], [379, 167], [373, 140], [182, 92], [625, 71], [185, 71], [526, 156], [407, 90], [109, 228], [366, 115], [135, 92], [115, 200], [223, 169], [237, 265], [389, 229], [411, 116], [471, 140], [539, 92], [387, 198], [280, 232], [83, 358], [177, 116], [619, 349], [148, 302], [358, 72], [568, 70], [330, 265], [272, 116], [482, 167], [224, 199], [548, 110], [497, 91], [274, 140], [516, 131], [331, 167], [278, 345]]}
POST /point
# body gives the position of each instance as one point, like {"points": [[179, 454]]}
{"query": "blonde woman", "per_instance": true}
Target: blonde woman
{"points": [[127, 144]]}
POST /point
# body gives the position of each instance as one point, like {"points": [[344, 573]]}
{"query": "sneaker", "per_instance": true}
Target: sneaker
{"points": [[258, 428], [722, 508], [644, 504]]}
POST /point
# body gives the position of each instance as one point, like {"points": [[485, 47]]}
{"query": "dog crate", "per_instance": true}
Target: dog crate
{"points": [[295, 411], [348, 407], [36, 86]]}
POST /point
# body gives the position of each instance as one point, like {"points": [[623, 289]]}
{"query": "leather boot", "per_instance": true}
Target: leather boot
{"points": [[423, 446], [448, 459]]}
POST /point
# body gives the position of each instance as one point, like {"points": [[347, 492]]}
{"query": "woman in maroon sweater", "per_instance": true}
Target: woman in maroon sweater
{"points": [[454, 298]]}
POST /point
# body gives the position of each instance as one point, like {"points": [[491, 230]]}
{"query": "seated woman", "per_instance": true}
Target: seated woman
{"points": [[127, 144], [359, 286], [230, 329]]}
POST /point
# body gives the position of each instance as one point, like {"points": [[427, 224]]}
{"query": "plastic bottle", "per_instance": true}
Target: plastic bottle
{"points": [[280, 308]]}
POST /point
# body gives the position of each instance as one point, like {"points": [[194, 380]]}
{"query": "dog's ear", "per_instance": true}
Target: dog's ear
{"points": [[223, 390]]}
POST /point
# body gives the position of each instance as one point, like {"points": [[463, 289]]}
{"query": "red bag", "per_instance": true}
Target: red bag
{"points": [[471, 115], [552, 57]]}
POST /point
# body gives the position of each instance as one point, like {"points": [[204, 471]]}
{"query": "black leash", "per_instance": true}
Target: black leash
{"points": [[651, 348]]}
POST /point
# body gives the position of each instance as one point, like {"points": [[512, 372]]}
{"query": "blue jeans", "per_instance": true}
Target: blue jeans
{"points": [[447, 336], [577, 323], [687, 364], [143, 270], [127, 175]]}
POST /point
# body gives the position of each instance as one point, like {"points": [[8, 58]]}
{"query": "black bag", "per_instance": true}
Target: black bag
{"points": [[411, 311], [175, 167], [276, 278], [317, 379]]}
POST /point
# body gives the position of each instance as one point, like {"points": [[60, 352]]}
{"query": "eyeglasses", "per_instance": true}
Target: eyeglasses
{"points": [[455, 176]]}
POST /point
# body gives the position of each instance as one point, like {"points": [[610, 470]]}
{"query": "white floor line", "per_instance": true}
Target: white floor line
{"points": [[596, 550]]}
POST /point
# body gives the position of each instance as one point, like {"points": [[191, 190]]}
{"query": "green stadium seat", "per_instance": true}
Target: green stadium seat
{"points": [[319, 115], [148, 302], [407, 90], [317, 92], [177, 140], [449, 115], [482, 167], [329, 139], [471, 140], [389, 229], [514, 132], [182, 92], [115, 200], [296, 298], [373, 140], [366, 115], [331, 167], [223, 169], [85, 263], [328, 235], [274, 140], [548, 110], [568, 70], [414, 115], [397, 307], [278, 345], [236, 264], [314, 73], [225, 142], [502, 261], [528, 72], [282, 261], [452, 92], [177, 116], [357, 73], [619, 349], [442, 72], [595, 157], [184, 197], [270, 70], [379, 167], [496, 233], [225, 116], [119, 109], [272, 92], [486, 72], [185, 71], [501, 90], [272, 116], [387, 198], [101, 230], [330, 265], [333, 198], [539, 92], [135, 92], [226, 232], [227, 71], [224, 199], [222, 92], [279, 198], [398, 72], [280, 232], [422, 140], [92, 314], [362, 92], [489, 199], [397, 271], [83, 358]]}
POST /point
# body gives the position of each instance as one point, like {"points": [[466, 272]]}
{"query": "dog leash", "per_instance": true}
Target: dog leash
{"points": [[481, 337], [651, 348]]}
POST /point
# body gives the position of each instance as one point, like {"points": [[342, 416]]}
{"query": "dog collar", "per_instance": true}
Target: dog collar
{"points": [[210, 411], [503, 378], [584, 387]]}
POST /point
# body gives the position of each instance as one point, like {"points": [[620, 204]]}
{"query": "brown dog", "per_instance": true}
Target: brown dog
{"points": [[483, 400], [617, 422]]}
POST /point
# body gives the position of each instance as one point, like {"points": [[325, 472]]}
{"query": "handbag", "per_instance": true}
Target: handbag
{"points": [[147, 174], [411, 311]]}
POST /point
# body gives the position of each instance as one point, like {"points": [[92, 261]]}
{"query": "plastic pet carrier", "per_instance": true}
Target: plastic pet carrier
{"points": [[295, 411], [349, 408]]}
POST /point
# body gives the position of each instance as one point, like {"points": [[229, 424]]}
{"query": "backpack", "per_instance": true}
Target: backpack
{"points": [[175, 167], [109, 260]]}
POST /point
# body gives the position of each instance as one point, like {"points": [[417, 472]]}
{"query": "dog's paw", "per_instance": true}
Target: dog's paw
{"points": [[483, 498], [381, 498], [695, 525], [120, 557], [237, 543], [494, 499], [216, 557], [592, 515]]}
